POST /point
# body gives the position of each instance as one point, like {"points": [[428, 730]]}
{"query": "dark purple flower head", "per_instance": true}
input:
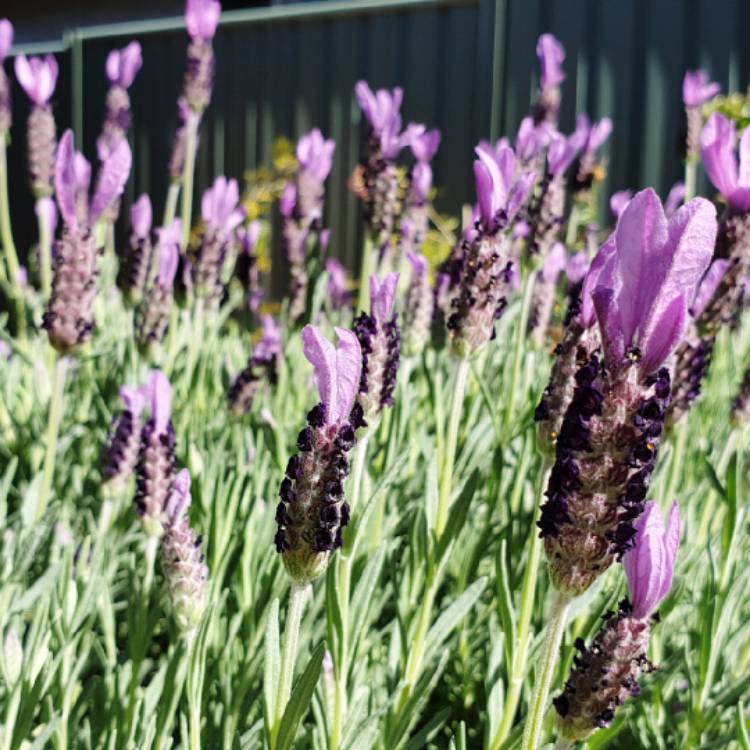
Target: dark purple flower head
{"points": [[619, 200], [675, 198], [123, 64], [220, 206], [6, 38], [718, 151], [551, 55], [697, 89], [337, 370], [500, 193], [649, 565], [315, 154], [656, 268], [38, 77], [708, 286], [201, 18]]}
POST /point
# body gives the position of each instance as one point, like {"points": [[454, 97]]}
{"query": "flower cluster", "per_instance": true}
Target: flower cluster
{"points": [[201, 18], [38, 78], [263, 364], [155, 468], [543, 299], [606, 673], [135, 264], [551, 55], [222, 213], [120, 452], [380, 341], [419, 307], [608, 441], [481, 266], [185, 569], [152, 315], [312, 512], [69, 317], [697, 89]]}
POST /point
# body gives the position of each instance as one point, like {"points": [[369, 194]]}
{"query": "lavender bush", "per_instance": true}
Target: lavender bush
{"points": [[422, 508]]}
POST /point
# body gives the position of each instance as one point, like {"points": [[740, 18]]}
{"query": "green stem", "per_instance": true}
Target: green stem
{"points": [[364, 274], [572, 231], [170, 207], [188, 172], [678, 457], [344, 565], [53, 430], [690, 175], [6, 236], [45, 255], [194, 709], [297, 596], [532, 733], [523, 640], [446, 474], [523, 322]]}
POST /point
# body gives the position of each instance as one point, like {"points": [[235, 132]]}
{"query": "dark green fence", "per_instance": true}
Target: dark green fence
{"points": [[467, 66]]}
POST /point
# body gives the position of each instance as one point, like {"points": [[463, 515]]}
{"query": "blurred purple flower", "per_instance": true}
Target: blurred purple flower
{"points": [[337, 288], [37, 76], [697, 89], [563, 150], [649, 565], [220, 206], [123, 64], [315, 154], [551, 55], [708, 286], [718, 150], [201, 18], [141, 217], [6, 38]]}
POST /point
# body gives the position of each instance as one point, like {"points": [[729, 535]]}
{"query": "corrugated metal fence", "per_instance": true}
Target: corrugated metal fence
{"points": [[467, 66]]}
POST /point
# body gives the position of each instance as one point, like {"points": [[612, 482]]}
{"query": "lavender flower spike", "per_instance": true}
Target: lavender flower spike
{"points": [[482, 264], [155, 469], [693, 356], [609, 438], [201, 19], [589, 167], [696, 91], [69, 317], [420, 306], [543, 299], [184, 567], [263, 363], [222, 213], [547, 212], [551, 55], [315, 157], [337, 288], [606, 674], [120, 453], [6, 40], [38, 77], [380, 341], [312, 512], [121, 67], [135, 267], [152, 315]]}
